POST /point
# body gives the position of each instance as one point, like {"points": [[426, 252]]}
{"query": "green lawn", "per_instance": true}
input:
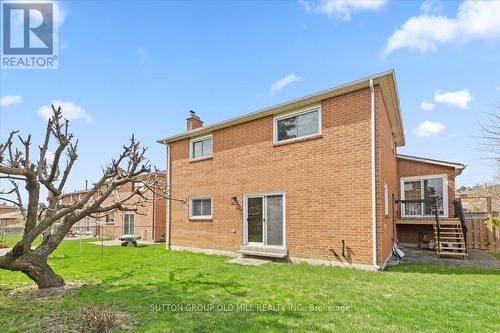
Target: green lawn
{"points": [[133, 280], [11, 239]]}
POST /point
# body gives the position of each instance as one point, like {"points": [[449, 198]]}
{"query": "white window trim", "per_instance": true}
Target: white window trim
{"points": [[133, 221], [311, 108], [202, 217], [245, 218], [106, 218], [137, 184], [386, 200], [201, 138], [443, 176]]}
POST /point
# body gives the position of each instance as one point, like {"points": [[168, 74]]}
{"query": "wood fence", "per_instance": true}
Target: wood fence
{"points": [[482, 233]]}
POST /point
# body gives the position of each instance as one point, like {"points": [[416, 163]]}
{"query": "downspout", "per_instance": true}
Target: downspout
{"points": [[154, 217], [167, 227], [374, 198]]}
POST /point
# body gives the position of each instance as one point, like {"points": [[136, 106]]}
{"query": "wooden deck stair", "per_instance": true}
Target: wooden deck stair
{"points": [[451, 239]]}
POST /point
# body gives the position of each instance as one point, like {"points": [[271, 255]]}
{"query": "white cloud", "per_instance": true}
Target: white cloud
{"points": [[69, 110], [426, 106], [341, 9], [431, 6], [59, 14], [280, 84], [49, 155], [428, 128], [474, 20], [10, 100], [460, 98]]}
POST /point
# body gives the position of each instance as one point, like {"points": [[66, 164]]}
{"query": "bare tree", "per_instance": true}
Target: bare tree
{"points": [[490, 137], [17, 166]]}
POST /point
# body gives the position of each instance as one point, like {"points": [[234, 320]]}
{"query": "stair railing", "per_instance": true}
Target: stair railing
{"points": [[459, 212], [438, 225]]}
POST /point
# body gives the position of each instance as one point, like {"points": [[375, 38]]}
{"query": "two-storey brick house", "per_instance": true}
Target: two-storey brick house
{"points": [[314, 179]]}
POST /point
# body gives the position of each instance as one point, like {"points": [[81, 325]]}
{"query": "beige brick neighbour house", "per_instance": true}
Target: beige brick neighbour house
{"points": [[315, 178], [148, 222]]}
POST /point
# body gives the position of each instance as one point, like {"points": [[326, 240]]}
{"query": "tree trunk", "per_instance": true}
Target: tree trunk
{"points": [[34, 265], [43, 275]]}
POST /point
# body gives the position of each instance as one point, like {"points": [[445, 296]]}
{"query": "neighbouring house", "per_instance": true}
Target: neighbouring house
{"points": [[475, 198], [4, 208], [148, 222], [13, 219], [315, 179], [11, 216]]}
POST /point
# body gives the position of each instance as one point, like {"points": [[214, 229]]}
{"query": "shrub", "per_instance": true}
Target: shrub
{"points": [[99, 319]]}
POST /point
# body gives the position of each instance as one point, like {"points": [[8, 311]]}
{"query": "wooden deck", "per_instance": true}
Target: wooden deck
{"points": [[427, 220]]}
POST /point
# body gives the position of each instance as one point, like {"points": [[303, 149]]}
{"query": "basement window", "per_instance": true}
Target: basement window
{"points": [[298, 124], [200, 208], [200, 147]]}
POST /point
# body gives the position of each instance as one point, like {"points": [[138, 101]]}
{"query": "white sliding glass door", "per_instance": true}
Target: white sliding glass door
{"points": [[425, 188], [264, 219]]}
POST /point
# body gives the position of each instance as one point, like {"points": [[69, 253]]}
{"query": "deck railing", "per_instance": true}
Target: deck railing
{"points": [[420, 208], [431, 208]]}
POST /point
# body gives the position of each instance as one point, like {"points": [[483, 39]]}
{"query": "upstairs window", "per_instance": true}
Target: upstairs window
{"points": [[200, 147], [300, 124], [137, 186], [200, 208]]}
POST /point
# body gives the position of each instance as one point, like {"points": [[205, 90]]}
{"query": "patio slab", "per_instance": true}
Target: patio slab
{"points": [[117, 242], [248, 261], [476, 258]]}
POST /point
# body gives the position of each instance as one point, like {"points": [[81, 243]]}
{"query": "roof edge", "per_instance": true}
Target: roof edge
{"points": [[304, 101], [458, 166]]}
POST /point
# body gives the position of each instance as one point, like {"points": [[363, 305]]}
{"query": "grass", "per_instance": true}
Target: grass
{"points": [[11, 239], [495, 254], [141, 282]]}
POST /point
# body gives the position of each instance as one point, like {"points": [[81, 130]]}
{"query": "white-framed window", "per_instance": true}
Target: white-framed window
{"points": [[302, 123], [386, 200], [200, 208], [110, 218], [200, 147], [425, 187], [128, 224], [137, 185]]}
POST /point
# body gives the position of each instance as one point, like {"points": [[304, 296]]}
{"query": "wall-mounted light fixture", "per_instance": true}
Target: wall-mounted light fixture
{"points": [[234, 201]]}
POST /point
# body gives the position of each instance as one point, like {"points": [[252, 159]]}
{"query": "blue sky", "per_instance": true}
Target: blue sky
{"points": [[138, 67]]}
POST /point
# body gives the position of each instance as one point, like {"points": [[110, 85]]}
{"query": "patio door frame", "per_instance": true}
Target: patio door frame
{"points": [[124, 223], [443, 176], [262, 195]]}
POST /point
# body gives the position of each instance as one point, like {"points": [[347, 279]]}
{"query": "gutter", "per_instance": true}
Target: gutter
{"points": [[374, 198]]}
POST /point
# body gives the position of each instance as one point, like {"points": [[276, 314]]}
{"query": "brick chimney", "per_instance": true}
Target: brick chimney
{"points": [[193, 122]]}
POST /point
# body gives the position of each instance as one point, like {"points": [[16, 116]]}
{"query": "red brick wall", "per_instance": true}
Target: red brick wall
{"points": [[413, 168], [411, 233], [386, 173], [326, 181]]}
